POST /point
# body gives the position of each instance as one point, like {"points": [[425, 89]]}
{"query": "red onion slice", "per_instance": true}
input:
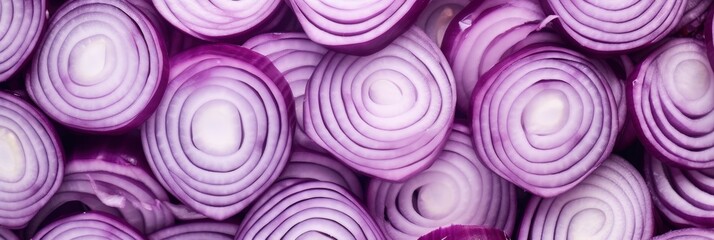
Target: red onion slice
{"points": [[197, 230], [437, 16], [7, 235], [465, 232], [32, 161], [687, 234], [21, 27], [223, 131], [387, 114], [90, 225], [672, 103], [100, 67], [694, 15], [611, 203], [308, 209], [545, 117], [321, 167]]}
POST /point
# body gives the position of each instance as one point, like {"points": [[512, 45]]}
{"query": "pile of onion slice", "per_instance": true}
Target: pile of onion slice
{"points": [[545, 117], [465, 232], [100, 67], [308, 209], [89, 225], [197, 230], [387, 114], [356, 27], [321, 167], [21, 30], [672, 104], [7, 235], [611, 27], [223, 131], [296, 56], [687, 234], [32, 161], [437, 16], [456, 189], [611, 203]]}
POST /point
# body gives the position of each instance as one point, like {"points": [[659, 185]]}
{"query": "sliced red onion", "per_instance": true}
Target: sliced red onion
{"points": [[7, 235], [465, 232], [437, 16], [387, 114], [308, 209], [672, 104], [21, 26], [694, 15], [321, 167], [482, 34], [546, 117], [223, 131], [456, 189], [197, 230], [101, 67], [356, 27], [296, 56], [687, 234], [612, 27], [90, 225], [31, 161], [220, 20], [611, 203]]}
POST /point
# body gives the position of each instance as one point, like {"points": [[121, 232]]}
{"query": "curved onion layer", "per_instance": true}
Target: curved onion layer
{"points": [[685, 197], [616, 27], [611, 203], [108, 176], [387, 114], [687, 234], [223, 131], [482, 34], [296, 56], [317, 166], [672, 104], [694, 15], [31, 161], [545, 118], [90, 225], [308, 209], [465, 232], [197, 230], [456, 189], [437, 16], [101, 67], [220, 20], [21, 27], [356, 27], [7, 235]]}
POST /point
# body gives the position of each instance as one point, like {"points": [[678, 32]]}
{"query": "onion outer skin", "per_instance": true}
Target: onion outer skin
{"points": [[687, 234], [673, 121], [197, 230], [614, 180], [302, 209], [237, 84], [465, 232], [322, 167], [26, 131], [89, 224], [21, 34], [484, 198], [7, 235]]}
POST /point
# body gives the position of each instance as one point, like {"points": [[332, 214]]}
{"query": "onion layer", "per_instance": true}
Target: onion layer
{"points": [[31, 161], [7, 235], [672, 104], [308, 209], [387, 114], [21, 27], [356, 27], [456, 189], [321, 167], [223, 131], [545, 117], [197, 230], [465, 233], [687, 234], [611, 203], [437, 16], [88, 225], [101, 67]]}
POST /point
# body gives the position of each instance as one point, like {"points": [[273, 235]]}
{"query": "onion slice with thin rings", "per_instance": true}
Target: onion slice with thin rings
{"points": [[20, 33]]}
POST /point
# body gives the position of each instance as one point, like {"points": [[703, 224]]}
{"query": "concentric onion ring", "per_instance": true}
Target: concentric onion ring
{"points": [[90, 225], [437, 16], [544, 118], [31, 162], [318, 166], [223, 131], [611, 203], [296, 56], [616, 26], [220, 20], [672, 104], [197, 230], [7, 235], [456, 189], [387, 114], [687, 234], [308, 209], [356, 27], [100, 67], [21, 27]]}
